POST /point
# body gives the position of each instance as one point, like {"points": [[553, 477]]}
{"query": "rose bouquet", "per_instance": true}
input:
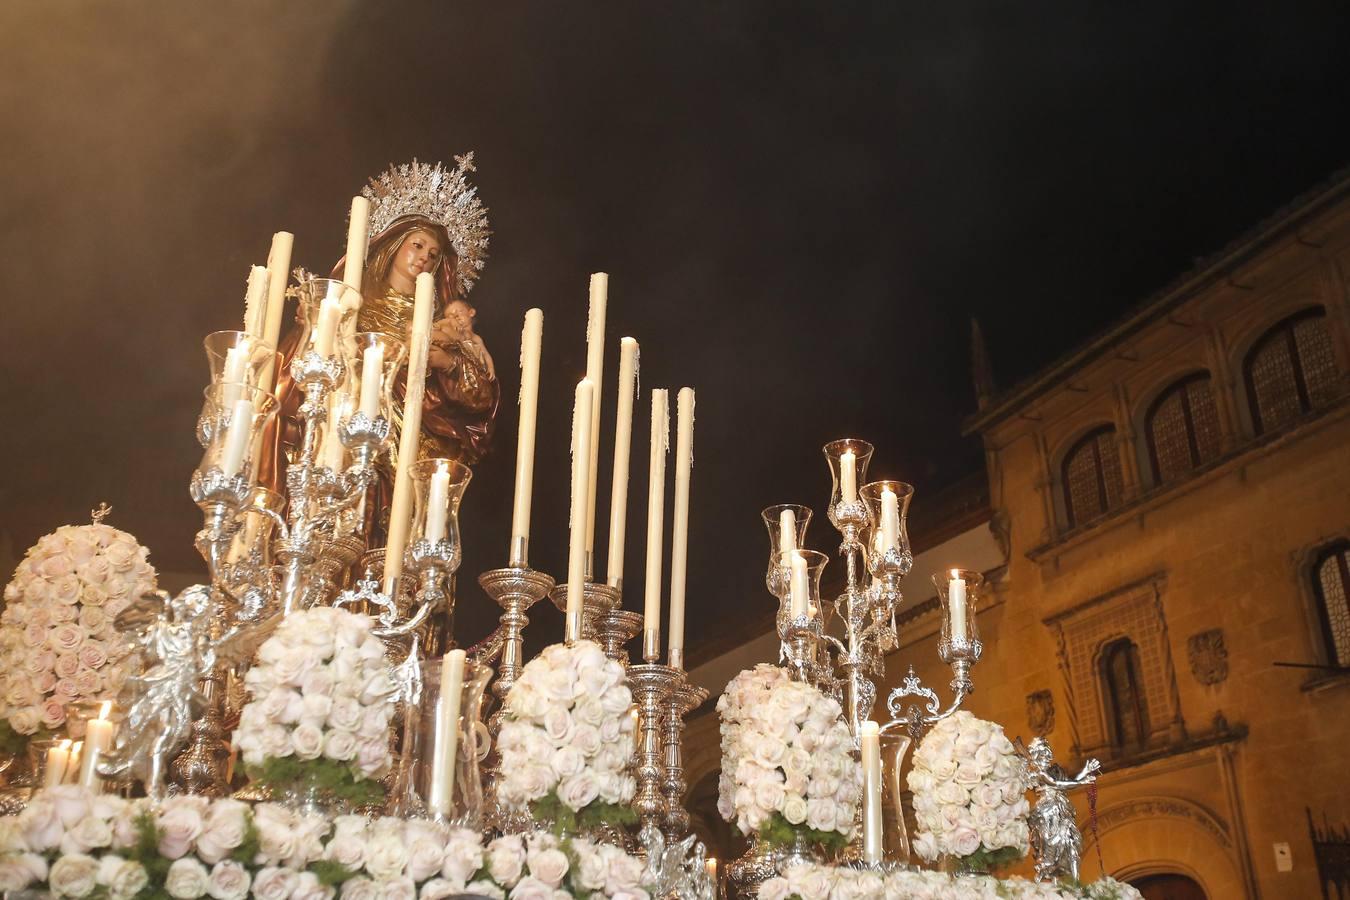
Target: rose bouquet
{"points": [[745, 692], [58, 644], [320, 707], [794, 773], [78, 844], [817, 882], [566, 739], [969, 792]]}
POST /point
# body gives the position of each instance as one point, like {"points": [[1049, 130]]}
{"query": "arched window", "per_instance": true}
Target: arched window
{"points": [[1183, 428], [1290, 370], [1123, 694], [1331, 583], [1092, 483]]}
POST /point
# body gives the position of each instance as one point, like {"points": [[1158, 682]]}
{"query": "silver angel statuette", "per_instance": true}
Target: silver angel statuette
{"points": [[676, 870], [1055, 839], [173, 637]]}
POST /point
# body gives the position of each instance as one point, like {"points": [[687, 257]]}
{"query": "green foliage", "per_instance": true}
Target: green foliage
{"points": [[251, 844], [779, 832], [330, 873], [146, 852], [567, 822], [983, 860], [323, 776], [11, 742]]}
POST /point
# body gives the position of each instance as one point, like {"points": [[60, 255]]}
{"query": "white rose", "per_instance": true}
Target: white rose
{"points": [[73, 875], [222, 831], [625, 872], [229, 881], [486, 888], [186, 880], [438, 889], [19, 870], [425, 858], [549, 866], [506, 860], [307, 742], [463, 855], [579, 791], [276, 834], [617, 700], [179, 825], [530, 888], [123, 878], [776, 888], [591, 870], [963, 841], [308, 887], [360, 888], [340, 745], [89, 833], [348, 850], [273, 883], [386, 857], [566, 762], [794, 809], [345, 713]]}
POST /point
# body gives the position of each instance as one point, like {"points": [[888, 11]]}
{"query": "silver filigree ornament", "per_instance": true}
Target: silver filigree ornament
{"points": [[440, 195]]}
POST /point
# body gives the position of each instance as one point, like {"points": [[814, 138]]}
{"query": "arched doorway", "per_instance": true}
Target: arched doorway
{"points": [[1169, 886]]}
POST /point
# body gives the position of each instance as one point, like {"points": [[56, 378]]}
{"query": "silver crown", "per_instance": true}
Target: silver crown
{"points": [[441, 195]]}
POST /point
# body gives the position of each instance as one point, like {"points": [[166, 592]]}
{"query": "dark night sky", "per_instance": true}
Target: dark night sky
{"points": [[800, 205]]}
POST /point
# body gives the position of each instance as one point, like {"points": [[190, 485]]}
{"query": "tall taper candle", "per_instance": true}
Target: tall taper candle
{"points": [[354, 263], [656, 516], [447, 733], [870, 742], [236, 437], [278, 264], [679, 544], [531, 341], [623, 441], [576, 551], [255, 302], [595, 368], [787, 531], [98, 736], [400, 507], [956, 601]]}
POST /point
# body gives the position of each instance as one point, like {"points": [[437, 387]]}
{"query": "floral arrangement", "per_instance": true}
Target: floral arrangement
{"points": [[78, 844], [794, 773], [58, 644], [969, 790], [320, 709], [747, 691], [566, 739], [810, 881]]}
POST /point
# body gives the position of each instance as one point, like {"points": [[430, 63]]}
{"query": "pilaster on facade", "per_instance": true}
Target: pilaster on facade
{"points": [[1224, 389]]}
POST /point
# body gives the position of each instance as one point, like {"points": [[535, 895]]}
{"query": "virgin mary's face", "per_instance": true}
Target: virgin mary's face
{"points": [[419, 252]]}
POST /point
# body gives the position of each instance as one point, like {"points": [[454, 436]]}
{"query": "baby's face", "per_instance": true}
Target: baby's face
{"points": [[461, 316]]}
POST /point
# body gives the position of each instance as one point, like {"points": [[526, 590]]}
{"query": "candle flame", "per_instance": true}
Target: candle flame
{"points": [[956, 573], [65, 745], [107, 708]]}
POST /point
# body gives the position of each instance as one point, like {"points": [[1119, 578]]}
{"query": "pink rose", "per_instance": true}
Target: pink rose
{"points": [[65, 590], [35, 635], [273, 883], [62, 614], [66, 690], [92, 618], [41, 661], [92, 654], [67, 664], [56, 566], [179, 826], [53, 713], [66, 638]]}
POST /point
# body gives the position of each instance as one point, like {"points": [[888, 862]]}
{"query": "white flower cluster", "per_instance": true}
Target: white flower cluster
{"points": [[567, 730], [80, 844], [747, 691], [320, 688], [969, 790], [818, 882], [794, 756], [57, 640]]}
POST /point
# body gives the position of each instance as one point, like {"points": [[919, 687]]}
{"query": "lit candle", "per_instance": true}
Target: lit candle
{"points": [[576, 555], [890, 520], [236, 438], [400, 506], [255, 302], [372, 380], [233, 376], [870, 739], [623, 440], [330, 311], [679, 545], [97, 739], [531, 341], [447, 732], [710, 867], [787, 531], [73, 764], [595, 366], [58, 758], [956, 599], [848, 477], [656, 513], [800, 587], [278, 264], [438, 506]]}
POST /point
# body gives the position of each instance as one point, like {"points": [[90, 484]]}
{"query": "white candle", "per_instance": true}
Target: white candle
{"points": [[531, 342], [800, 587], [372, 380], [576, 555], [400, 505], [237, 437], [623, 440], [956, 600], [255, 302], [278, 263], [73, 765], [58, 758], [870, 739], [331, 452], [330, 310], [97, 739], [848, 476], [595, 366], [438, 506], [234, 375], [679, 545], [354, 264], [447, 732], [787, 531], [656, 513], [890, 520]]}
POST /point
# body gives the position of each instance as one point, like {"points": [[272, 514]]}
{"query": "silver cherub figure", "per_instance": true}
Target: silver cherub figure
{"points": [[676, 869], [1055, 839], [173, 637]]}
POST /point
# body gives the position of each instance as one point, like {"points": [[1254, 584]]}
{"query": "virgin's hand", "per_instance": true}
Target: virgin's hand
{"points": [[437, 358]]}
